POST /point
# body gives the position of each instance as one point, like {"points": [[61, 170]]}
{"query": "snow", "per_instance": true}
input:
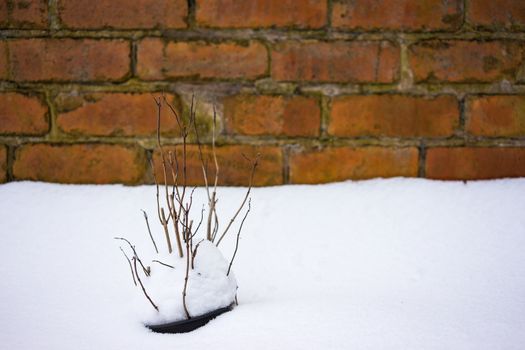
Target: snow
{"points": [[380, 264], [209, 288]]}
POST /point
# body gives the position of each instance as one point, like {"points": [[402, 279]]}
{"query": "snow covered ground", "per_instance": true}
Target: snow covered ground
{"points": [[381, 264]]}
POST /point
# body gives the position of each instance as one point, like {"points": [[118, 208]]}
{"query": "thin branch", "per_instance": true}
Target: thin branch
{"points": [[254, 166], [160, 262], [142, 286], [146, 270], [239, 236], [149, 231], [131, 268]]}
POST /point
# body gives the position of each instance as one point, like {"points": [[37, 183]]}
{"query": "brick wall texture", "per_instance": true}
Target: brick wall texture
{"points": [[324, 90]]}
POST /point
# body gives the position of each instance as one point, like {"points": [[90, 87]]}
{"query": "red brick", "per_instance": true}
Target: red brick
{"points": [[355, 61], [116, 114], [3, 163], [4, 15], [4, 65], [342, 163], [272, 115], [20, 114], [394, 116], [80, 163], [406, 15], [234, 169], [124, 14], [23, 14], [499, 14], [475, 163], [496, 115], [158, 60], [68, 59], [261, 13], [466, 61]]}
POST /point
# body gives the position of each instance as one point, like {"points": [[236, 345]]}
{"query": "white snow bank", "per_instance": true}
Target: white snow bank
{"points": [[382, 264], [209, 288]]}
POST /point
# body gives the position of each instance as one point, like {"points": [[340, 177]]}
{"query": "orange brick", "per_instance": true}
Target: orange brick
{"points": [[394, 116], [466, 61], [407, 15], [158, 60], [68, 59], [124, 14], [80, 163], [474, 163], [342, 163], [261, 13], [496, 115], [234, 169], [23, 14], [116, 114], [20, 114], [499, 14], [272, 115], [355, 61], [3, 163]]}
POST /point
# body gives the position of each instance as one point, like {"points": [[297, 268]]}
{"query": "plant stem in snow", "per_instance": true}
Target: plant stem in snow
{"points": [[149, 231], [142, 286], [131, 268], [239, 236], [160, 262], [254, 166]]}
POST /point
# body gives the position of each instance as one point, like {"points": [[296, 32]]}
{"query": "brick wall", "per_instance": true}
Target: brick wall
{"points": [[324, 90]]}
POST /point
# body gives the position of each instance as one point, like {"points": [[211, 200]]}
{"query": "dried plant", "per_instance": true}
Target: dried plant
{"points": [[178, 201]]}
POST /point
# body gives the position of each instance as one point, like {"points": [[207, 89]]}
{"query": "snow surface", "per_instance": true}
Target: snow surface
{"points": [[381, 264]]}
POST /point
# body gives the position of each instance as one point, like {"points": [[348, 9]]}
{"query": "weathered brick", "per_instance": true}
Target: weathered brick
{"points": [[80, 163], [124, 14], [394, 116], [68, 59], [3, 163], [474, 163], [158, 60], [115, 114], [261, 13], [466, 61], [406, 15], [4, 63], [339, 61], [21, 114], [499, 14], [342, 163], [234, 169], [23, 14], [4, 15], [496, 115], [272, 115]]}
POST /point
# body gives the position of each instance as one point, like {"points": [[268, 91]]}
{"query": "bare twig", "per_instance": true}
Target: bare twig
{"points": [[254, 166], [149, 231], [160, 262], [146, 270], [131, 268], [142, 286], [239, 236]]}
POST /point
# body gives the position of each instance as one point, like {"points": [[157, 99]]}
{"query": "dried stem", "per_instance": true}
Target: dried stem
{"points": [[160, 262], [146, 270], [149, 231], [239, 236], [142, 286], [254, 166], [131, 268]]}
